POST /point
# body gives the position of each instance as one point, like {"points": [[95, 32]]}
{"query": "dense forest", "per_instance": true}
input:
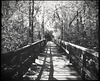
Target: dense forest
{"points": [[25, 22]]}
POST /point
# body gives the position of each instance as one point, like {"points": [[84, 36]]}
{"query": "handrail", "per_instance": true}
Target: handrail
{"points": [[19, 58], [85, 60]]}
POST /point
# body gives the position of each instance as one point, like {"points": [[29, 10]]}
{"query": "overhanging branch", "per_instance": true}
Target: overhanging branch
{"points": [[74, 17]]}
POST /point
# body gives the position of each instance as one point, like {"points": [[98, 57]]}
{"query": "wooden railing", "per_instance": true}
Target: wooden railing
{"points": [[15, 63], [83, 59]]}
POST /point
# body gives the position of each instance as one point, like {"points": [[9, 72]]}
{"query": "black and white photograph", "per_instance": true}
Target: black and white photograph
{"points": [[49, 40]]}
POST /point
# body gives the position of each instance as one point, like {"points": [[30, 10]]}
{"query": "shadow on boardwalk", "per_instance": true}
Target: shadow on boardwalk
{"points": [[53, 65]]}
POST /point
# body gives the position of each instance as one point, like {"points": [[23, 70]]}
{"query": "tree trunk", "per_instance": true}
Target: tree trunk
{"points": [[31, 12], [29, 21], [62, 30], [43, 22], [32, 20]]}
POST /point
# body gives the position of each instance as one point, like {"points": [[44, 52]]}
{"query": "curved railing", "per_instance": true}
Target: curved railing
{"points": [[83, 59], [17, 62]]}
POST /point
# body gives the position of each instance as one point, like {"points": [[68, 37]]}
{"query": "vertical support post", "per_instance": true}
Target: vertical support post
{"points": [[33, 56], [20, 72], [69, 56], [84, 65], [45, 41], [39, 35], [40, 46], [33, 52]]}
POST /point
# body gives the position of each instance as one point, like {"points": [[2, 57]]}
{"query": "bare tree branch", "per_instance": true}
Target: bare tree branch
{"points": [[74, 17]]}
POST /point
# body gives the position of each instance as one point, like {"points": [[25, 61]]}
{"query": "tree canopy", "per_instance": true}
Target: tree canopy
{"points": [[72, 21]]}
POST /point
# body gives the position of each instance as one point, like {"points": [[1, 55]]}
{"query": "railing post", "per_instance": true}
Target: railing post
{"points": [[69, 56], [34, 56], [84, 65], [39, 48], [20, 72]]}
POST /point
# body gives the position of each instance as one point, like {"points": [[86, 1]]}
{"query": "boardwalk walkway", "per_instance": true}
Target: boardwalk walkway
{"points": [[51, 64]]}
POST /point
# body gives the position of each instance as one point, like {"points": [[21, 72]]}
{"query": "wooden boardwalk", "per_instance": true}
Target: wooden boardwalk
{"points": [[51, 64]]}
